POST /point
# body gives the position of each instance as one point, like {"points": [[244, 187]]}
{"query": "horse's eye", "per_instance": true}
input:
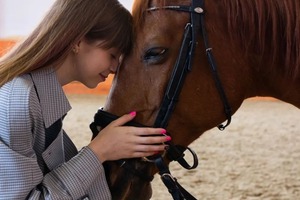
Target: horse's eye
{"points": [[155, 55]]}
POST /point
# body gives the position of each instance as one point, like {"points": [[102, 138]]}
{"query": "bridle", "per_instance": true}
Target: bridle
{"points": [[184, 63], [182, 66]]}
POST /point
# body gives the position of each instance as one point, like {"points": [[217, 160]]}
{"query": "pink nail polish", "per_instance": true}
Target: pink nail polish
{"points": [[168, 138], [163, 131], [133, 113]]}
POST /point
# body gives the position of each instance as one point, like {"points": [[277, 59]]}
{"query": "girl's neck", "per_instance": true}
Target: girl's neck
{"points": [[65, 71]]}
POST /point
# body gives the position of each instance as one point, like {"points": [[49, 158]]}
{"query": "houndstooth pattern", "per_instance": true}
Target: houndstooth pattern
{"points": [[23, 118]]}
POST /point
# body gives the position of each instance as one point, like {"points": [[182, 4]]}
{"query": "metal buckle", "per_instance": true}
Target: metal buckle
{"points": [[168, 175], [198, 10]]}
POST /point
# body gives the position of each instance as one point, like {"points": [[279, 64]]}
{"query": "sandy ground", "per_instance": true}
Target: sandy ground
{"points": [[257, 157]]}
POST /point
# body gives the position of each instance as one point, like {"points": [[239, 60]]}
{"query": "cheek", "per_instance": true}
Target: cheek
{"points": [[94, 61], [89, 60]]}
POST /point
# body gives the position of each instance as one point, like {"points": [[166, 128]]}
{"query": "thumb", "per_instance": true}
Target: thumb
{"points": [[124, 119]]}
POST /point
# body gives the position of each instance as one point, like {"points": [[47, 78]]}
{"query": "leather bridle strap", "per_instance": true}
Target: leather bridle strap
{"points": [[175, 189], [176, 81], [182, 66], [213, 66], [184, 60]]}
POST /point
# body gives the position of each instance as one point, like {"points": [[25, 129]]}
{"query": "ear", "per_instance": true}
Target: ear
{"points": [[76, 46]]}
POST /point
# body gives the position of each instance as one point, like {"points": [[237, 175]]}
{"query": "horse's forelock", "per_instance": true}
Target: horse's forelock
{"points": [[272, 25], [139, 9]]}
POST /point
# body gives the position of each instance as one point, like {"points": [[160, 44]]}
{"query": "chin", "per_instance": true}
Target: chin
{"points": [[91, 85]]}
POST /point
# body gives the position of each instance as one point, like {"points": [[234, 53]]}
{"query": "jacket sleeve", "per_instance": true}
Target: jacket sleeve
{"points": [[21, 177]]}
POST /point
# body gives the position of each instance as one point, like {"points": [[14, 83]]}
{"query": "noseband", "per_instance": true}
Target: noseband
{"points": [[182, 66]]}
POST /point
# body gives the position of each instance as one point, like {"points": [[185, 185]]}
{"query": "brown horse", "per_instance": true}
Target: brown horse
{"points": [[255, 44]]}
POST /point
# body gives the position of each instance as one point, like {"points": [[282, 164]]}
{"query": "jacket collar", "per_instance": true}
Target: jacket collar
{"points": [[54, 103]]}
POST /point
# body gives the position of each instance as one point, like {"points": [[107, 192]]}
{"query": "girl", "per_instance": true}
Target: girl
{"points": [[78, 40]]}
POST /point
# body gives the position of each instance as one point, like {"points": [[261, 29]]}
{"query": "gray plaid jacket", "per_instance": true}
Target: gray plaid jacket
{"points": [[24, 115]]}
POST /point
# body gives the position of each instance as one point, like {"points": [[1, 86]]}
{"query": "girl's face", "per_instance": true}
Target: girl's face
{"points": [[93, 64]]}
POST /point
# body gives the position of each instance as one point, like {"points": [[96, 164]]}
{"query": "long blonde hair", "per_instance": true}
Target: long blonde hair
{"points": [[67, 22]]}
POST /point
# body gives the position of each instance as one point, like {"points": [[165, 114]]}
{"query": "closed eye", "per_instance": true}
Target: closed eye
{"points": [[113, 56], [155, 55]]}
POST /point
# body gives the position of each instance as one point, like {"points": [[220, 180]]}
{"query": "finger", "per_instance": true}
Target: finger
{"points": [[124, 119], [142, 154], [153, 140], [146, 150], [150, 148], [142, 131]]}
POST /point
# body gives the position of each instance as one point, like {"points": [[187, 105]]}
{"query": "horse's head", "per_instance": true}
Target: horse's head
{"points": [[255, 48], [140, 83]]}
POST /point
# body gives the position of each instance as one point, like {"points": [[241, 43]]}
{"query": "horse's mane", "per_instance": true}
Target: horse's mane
{"points": [[271, 28]]}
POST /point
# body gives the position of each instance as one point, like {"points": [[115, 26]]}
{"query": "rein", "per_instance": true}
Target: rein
{"points": [[182, 66]]}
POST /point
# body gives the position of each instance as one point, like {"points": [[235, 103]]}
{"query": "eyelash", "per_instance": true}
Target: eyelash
{"points": [[113, 56]]}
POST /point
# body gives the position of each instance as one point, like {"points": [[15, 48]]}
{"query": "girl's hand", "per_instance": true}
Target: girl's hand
{"points": [[116, 142]]}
